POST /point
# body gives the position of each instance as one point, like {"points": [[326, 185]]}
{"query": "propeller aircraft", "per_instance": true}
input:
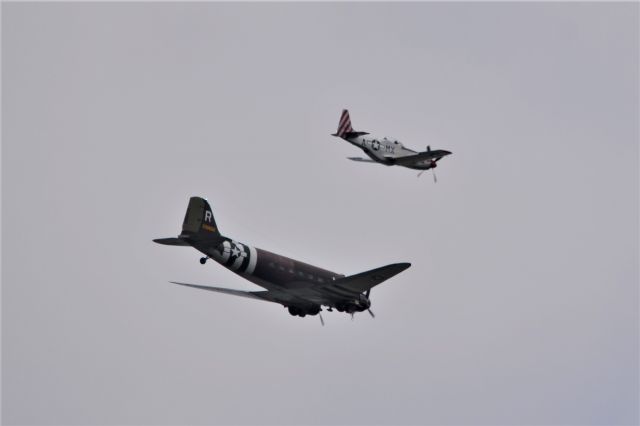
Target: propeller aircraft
{"points": [[301, 288], [388, 151]]}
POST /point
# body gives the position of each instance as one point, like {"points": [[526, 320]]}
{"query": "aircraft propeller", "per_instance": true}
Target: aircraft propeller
{"points": [[433, 166], [369, 309]]}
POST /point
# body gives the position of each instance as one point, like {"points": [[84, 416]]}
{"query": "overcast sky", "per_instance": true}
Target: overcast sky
{"points": [[521, 306]]}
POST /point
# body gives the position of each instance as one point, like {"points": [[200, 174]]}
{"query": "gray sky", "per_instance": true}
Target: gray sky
{"points": [[522, 303]]}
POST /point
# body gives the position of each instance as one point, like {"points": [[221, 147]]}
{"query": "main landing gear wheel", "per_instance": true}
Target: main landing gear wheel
{"points": [[203, 260]]}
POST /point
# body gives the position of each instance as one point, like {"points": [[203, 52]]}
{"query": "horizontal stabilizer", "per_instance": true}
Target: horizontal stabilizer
{"points": [[171, 242], [354, 134]]}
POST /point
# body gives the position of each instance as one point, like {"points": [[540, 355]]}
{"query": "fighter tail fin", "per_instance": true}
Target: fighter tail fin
{"points": [[344, 127]]}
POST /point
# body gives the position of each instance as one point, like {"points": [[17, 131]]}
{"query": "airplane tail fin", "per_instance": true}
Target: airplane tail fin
{"points": [[344, 127], [198, 221], [198, 225]]}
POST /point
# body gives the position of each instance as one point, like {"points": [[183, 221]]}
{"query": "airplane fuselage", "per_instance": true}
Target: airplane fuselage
{"points": [[386, 150], [269, 270]]}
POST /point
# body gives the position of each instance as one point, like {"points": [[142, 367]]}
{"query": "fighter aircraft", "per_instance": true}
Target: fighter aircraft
{"points": [[303, 289], [388, 151]]}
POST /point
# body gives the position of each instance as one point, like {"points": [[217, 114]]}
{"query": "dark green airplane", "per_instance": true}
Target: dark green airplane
{"points": [[302, 288]]}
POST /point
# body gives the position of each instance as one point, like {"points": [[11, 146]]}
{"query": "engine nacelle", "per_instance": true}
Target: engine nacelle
{"points": [[301, 312], [362, 303]]}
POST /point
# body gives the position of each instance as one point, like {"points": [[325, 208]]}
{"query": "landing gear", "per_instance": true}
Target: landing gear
{"points": [[203, 260]]}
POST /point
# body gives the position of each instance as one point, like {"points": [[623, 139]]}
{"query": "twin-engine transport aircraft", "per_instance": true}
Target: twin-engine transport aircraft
{"points": [[300, 287], [387, 151]]}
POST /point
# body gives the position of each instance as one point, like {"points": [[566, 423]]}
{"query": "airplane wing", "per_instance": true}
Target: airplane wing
{"points": [[341, 289], [359, 283], [361, 160], [283, 298], [422, 156], [260, 295]]}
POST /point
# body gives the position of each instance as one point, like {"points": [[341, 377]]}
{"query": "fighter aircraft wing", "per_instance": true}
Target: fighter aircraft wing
{"points": [[436, 154], [359, 283], [361, 160]]}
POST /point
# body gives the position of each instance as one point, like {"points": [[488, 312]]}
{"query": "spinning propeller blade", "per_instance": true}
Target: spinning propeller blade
{"points": [[369, 310]]}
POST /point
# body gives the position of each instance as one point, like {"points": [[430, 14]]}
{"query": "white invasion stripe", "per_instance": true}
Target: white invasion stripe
{"points": [[253, 259], [238, 262], [226, 251]]}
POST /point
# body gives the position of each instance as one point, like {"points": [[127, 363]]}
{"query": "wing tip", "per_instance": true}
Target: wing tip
{"points": [[403, 265]]}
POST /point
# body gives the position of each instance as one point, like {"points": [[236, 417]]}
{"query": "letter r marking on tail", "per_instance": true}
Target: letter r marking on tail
{"points": [[207, 216]]}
